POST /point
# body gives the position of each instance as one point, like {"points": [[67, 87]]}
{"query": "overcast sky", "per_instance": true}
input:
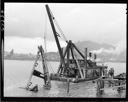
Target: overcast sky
{"points": [[25, 24]]}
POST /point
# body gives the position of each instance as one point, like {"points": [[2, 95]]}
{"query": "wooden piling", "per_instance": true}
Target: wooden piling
{"points": [[68, 85], [100, 84], [85, 62]]}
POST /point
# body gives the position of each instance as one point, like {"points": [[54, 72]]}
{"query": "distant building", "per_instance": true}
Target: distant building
{"points": [[12, 52], [8, 54]]}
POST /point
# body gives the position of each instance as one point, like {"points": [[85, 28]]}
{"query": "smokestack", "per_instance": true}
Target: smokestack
{"points": [[90, 54], [95, 56]]}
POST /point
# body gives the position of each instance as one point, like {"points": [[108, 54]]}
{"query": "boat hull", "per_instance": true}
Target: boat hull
{"points": [[57, 77]]}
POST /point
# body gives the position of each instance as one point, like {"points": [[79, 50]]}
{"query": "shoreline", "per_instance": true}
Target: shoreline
{"points": [[59, 60], [30, 60]]}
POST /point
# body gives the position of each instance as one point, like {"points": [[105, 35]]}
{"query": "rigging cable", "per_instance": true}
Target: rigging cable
{"points": [[45, 41], [60, 30], [58, 27], [45, 32]]}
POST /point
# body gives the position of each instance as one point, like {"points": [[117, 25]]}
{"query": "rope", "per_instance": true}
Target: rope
{"points": [[45, 41], [45, 32], [51, 68], [60, 30]]}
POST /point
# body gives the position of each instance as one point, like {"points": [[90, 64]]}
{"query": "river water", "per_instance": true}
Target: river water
{"points": [[17, 72]]}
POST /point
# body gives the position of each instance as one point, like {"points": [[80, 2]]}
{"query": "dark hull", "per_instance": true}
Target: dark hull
{"points": [[74, 80]]}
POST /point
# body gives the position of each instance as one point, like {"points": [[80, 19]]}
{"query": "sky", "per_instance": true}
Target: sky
{"points": [[27, 23]]}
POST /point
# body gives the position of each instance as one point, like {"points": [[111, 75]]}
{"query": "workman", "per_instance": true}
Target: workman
{"points": [[111, 72]]}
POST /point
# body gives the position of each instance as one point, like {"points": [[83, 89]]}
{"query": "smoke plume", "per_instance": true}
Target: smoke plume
{"points": [[119, 47]]}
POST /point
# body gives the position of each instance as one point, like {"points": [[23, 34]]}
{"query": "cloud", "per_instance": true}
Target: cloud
{"points": [[119, 47], [78, 21], [102, 50], [29, 45]]}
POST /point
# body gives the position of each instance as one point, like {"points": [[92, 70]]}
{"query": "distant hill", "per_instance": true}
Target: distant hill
{"points": [[92, 45], [105, 53], [51, 56]]}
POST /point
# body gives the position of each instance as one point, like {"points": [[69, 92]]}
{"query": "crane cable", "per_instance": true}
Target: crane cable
{"points": [[61, 32], [45, 32], [58, 27]]}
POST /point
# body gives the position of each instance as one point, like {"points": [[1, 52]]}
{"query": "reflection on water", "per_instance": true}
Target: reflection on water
{"points": [[16, 74], [100, 93]]}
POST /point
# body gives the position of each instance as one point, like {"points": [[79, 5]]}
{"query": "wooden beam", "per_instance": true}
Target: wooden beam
{"points": [[72, 51], [45, 68], [85, 62], [85, 57], [66, 50], [68, 54], [78, 51], [37, 58], [60, 66], [54, 32], [84, 74], [79, 67]]}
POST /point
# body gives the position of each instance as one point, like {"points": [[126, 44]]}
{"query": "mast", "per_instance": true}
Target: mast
{"points": [[54, 31]]}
